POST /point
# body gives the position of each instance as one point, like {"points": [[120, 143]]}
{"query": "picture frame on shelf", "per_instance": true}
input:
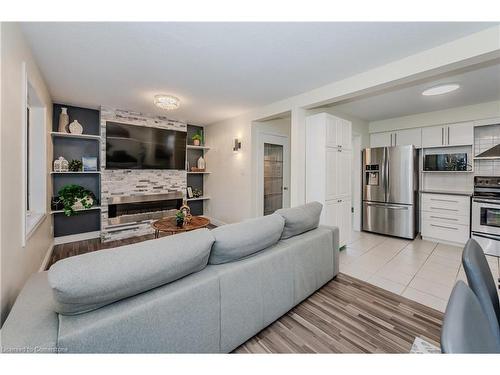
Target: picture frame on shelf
{"points": [[190, 192], [89, 163]]}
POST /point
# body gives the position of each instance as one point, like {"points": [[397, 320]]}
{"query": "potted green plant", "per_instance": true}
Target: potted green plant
{"points": [[197, 138], [75, 165], [179, 219], [75, 197]]}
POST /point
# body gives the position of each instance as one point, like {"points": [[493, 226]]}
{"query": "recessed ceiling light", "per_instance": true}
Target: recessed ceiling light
{"points": [[167, 102], [441, 89]]}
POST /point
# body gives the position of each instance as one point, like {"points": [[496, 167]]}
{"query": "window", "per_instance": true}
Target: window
{"points": [[35, 199]]}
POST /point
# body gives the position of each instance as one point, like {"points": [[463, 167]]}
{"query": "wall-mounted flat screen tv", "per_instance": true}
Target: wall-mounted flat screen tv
{"points": [[140, 147]]}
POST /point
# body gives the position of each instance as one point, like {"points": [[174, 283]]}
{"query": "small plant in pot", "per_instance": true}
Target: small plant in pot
{"points": [[179, 219], [75, 197], [75, 166], [197, 138]]}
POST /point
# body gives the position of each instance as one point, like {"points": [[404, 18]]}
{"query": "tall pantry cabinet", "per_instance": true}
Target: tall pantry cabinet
{"points": [[328, 170]]}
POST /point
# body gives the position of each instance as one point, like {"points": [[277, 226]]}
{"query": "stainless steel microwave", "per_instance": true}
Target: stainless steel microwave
{"points": [[446, 162]]}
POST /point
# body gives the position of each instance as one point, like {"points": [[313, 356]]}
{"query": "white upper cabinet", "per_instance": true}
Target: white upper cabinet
{"points": [[408, 137], [397, 138], [338, 132], [461, 134], [433, 136], [381, 139]]}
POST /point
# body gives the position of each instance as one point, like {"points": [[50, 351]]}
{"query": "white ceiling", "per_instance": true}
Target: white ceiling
{"points": [[477, 86], [218, 70]]}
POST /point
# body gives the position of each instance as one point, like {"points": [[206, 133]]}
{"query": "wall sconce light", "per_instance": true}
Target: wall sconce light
{"points": [[237, 145]]}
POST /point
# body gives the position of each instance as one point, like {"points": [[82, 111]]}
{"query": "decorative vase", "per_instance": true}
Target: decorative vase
{"points": [[196, 142], [75, 127], [63, 120], [201, 163]]}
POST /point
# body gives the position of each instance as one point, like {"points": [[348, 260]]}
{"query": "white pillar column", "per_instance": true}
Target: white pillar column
{"points": [[298, 157]]}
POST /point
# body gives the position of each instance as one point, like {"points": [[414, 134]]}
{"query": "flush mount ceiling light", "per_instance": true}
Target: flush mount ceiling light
{"points": [[441, 89], [167, 102]]}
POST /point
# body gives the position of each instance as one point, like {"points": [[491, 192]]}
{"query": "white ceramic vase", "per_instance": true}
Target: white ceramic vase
{"points": [[201, 163]]}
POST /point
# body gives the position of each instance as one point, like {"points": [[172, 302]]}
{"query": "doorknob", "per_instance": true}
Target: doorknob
{"points": [[285, 187]]}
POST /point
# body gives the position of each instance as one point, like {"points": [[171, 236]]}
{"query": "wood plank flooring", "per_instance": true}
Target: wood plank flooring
{"points": [[348, 315]]}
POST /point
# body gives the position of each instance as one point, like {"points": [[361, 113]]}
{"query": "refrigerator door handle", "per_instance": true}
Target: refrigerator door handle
{"points": [[387, 176], [387, 206]]}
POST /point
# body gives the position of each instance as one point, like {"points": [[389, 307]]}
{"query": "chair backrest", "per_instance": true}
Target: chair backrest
{"points": [[482, 283], [465, 327]]}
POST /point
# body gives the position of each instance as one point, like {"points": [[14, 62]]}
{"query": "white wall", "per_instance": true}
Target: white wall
{"points": [[230, 182], [446, 116], [18, 262]]}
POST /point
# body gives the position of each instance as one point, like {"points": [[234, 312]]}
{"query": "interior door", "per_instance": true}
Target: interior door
{"points": [[273, 177], [374, 169], [400, 167]]}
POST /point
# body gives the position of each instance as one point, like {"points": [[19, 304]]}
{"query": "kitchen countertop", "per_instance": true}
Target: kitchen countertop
{"points": [[467, 193]]}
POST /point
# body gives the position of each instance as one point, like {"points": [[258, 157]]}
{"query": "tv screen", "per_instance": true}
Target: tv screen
{"points": [[139, 147]]}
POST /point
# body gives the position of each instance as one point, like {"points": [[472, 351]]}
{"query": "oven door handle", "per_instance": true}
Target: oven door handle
{"points": [[496, 203], [490, 237]]}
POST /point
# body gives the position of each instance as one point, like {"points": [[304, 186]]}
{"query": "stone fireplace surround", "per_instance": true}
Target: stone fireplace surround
{"points": [[132, 183]]}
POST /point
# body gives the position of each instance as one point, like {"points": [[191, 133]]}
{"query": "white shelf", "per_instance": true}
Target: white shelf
{"points": [[80, 136], [83, 209], [447, 171], [197, 199], [80, 172], [193, 147], [199, 172], [487, 158]]}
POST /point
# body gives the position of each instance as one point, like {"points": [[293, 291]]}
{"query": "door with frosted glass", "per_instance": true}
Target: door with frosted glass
{"points": [[273, 178]]}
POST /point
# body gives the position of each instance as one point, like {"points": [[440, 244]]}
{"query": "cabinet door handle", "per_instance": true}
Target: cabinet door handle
{"points": [[395, 139], [391, 139], [445, 209], [448, 140], [443, 226], [443, 218], [443, 200], [442, 136]]}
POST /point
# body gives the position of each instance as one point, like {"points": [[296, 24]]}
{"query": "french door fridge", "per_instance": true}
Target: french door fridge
{"points": [[390, 191]]}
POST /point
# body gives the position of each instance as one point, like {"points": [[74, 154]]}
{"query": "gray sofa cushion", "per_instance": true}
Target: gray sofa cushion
{"points": [[236, 241], [300, 219], [87, 282]]}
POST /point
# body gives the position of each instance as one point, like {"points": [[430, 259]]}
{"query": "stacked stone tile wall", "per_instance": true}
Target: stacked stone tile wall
{"points": [[132, 182]]}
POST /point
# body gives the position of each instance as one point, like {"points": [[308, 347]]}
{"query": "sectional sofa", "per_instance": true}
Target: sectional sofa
{"points": [[201, 291]]}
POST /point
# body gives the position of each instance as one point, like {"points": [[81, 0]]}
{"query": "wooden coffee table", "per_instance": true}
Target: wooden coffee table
{"points": [[168, 224]]}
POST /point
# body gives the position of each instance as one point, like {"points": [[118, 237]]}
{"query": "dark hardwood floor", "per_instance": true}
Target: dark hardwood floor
{"points": [[348, 315]]}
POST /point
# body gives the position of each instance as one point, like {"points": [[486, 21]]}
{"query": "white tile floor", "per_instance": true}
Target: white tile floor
{"points": [[419, 270]]}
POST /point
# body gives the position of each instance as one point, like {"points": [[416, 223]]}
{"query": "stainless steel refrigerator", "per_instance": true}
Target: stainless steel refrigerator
{"points": [[390, 191]]}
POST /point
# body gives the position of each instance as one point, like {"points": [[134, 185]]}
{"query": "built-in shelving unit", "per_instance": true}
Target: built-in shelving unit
{"points": [[196, 180], [79, 172], [78, 136], [197, 199], [87, 222], [79, 210]]}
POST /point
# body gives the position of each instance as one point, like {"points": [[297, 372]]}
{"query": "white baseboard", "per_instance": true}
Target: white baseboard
{"points": [[46, 259], [214, 221], [77, 237]]}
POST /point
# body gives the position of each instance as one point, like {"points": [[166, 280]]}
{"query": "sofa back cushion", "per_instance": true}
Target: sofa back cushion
{"points": [[236, 241], [89, 281], [300, 219]]}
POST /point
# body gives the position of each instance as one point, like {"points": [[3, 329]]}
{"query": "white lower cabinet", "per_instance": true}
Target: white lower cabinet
{"points": [[445, 218], [337, 213]]}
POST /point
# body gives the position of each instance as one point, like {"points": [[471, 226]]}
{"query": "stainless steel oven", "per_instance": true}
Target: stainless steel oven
{"points": [[486, 214]]}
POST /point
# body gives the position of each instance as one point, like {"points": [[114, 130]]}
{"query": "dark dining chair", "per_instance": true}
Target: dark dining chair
{"points": [[482, 283], [465, 326]]}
